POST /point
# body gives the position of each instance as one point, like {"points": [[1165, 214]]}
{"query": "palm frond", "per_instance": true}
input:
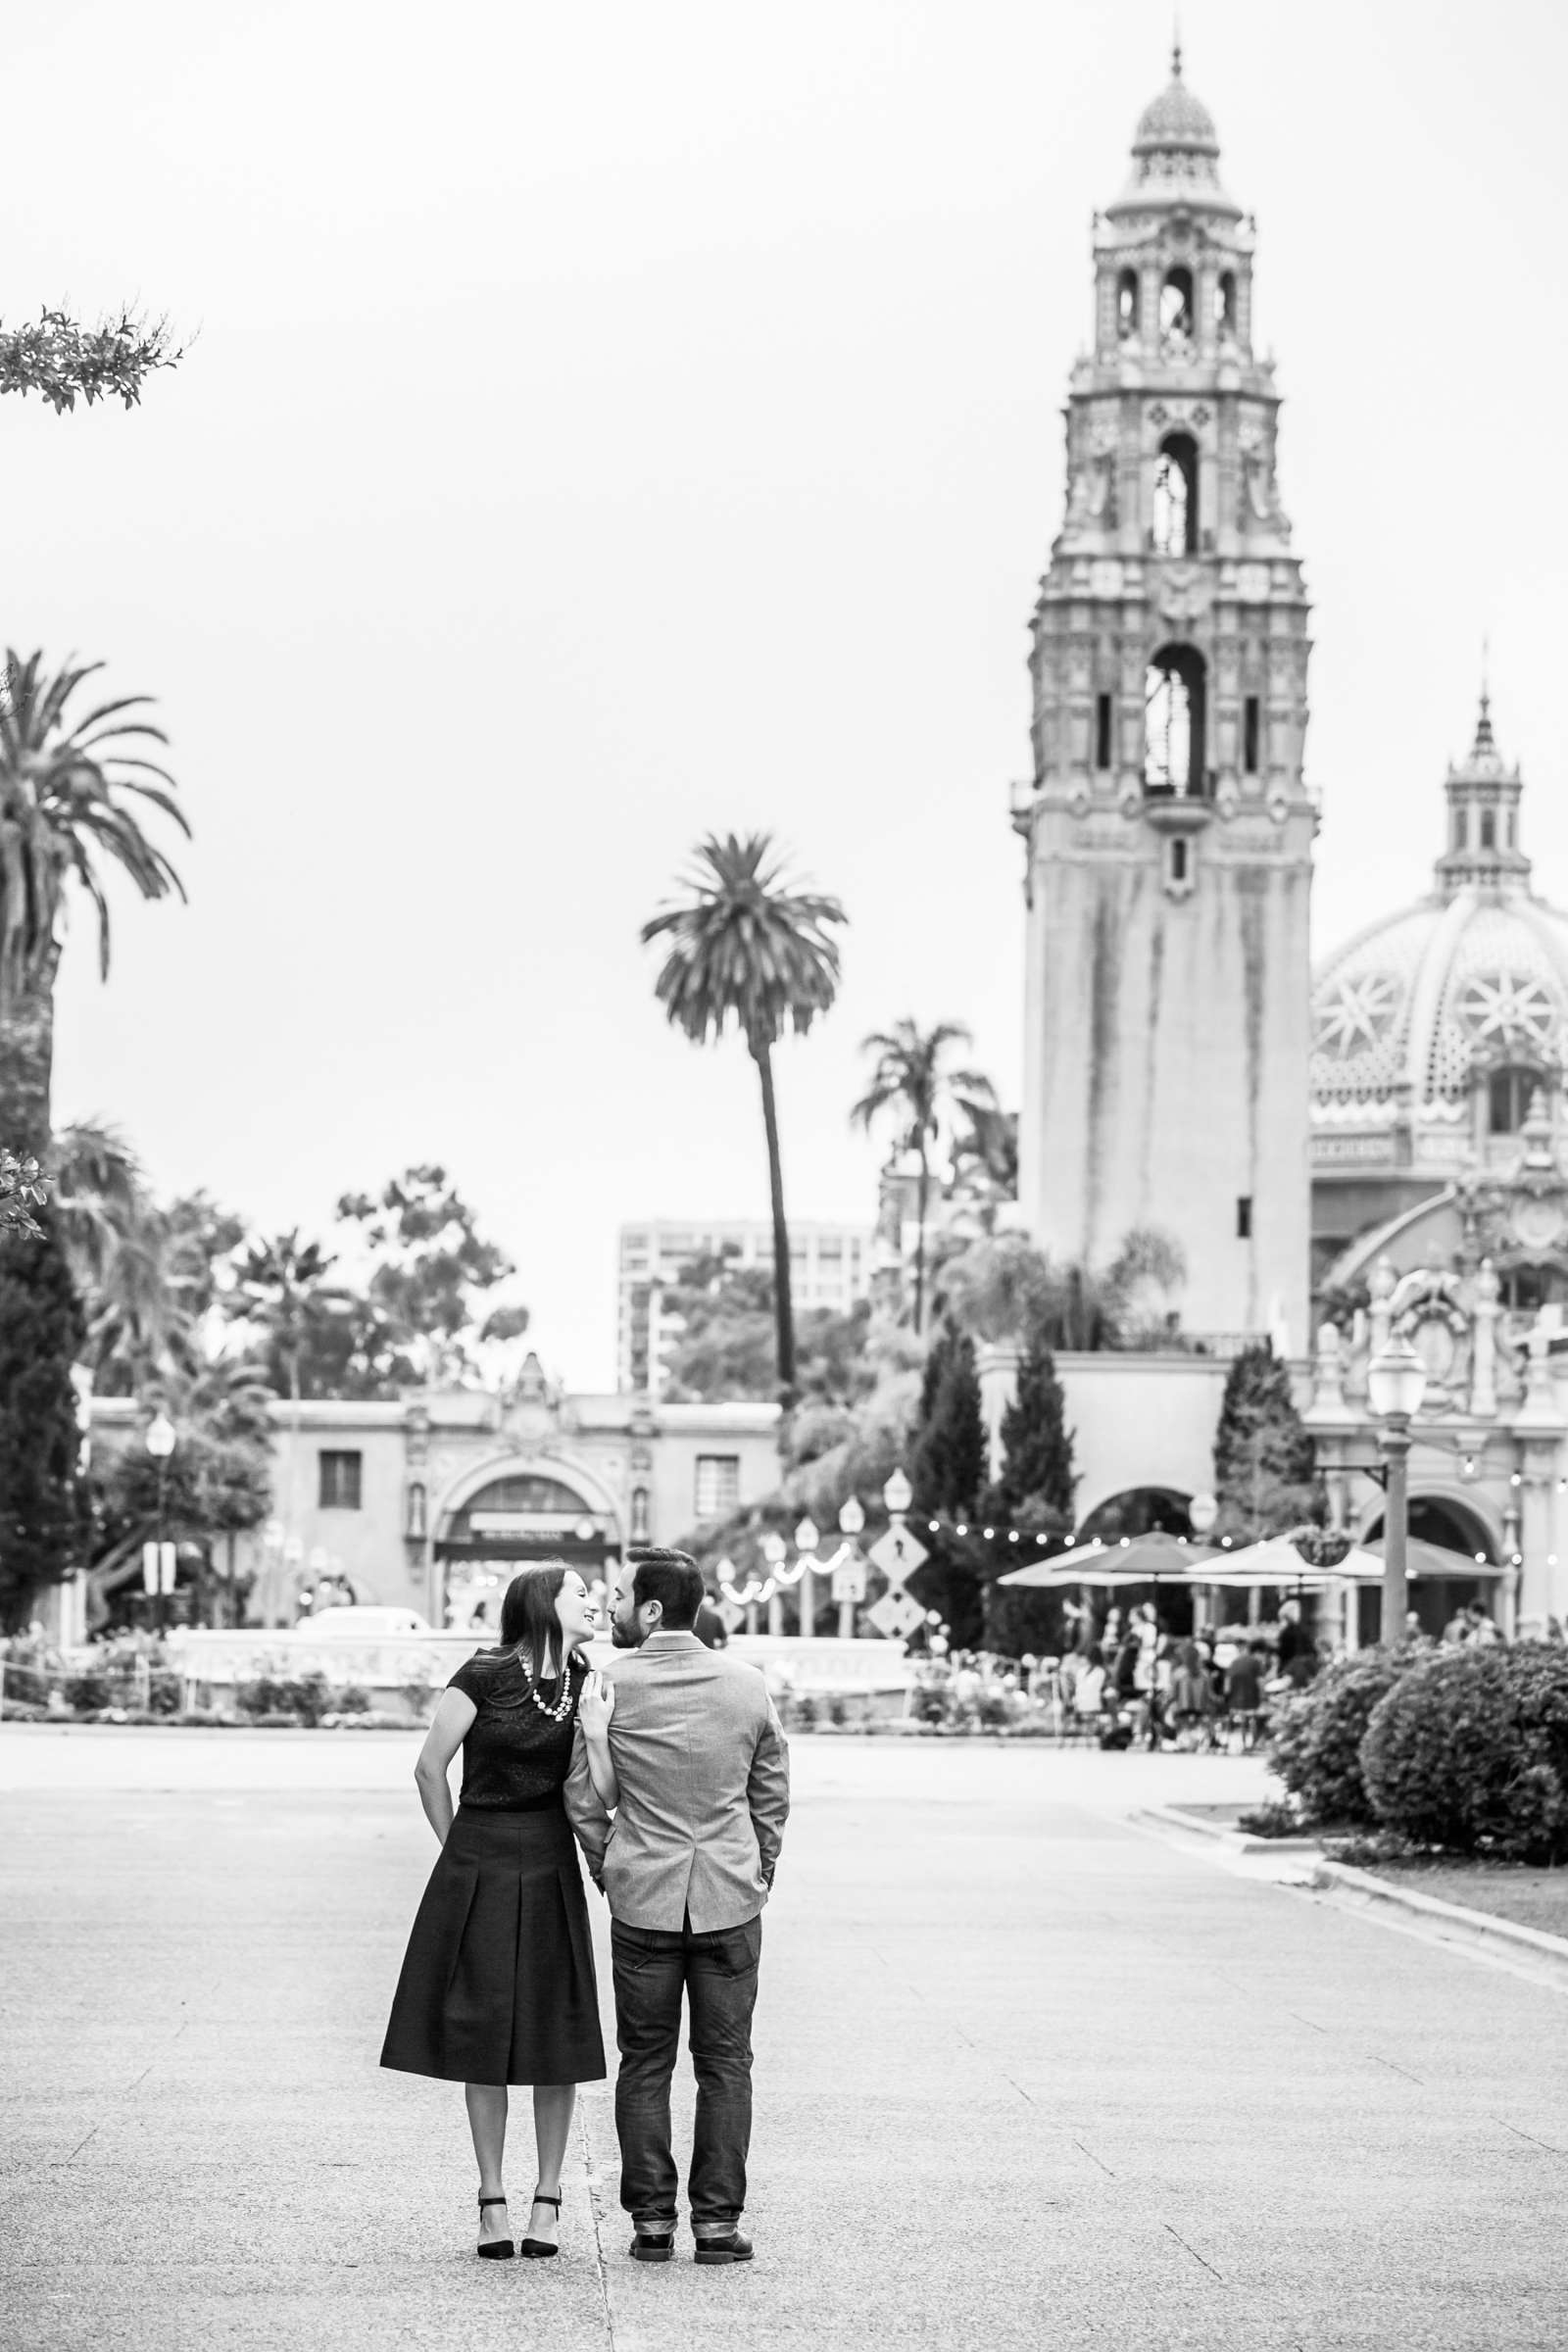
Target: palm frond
{"points": [[70, 789]]}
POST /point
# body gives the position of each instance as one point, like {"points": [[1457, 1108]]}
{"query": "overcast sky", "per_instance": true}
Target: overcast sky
{"points": [[604, 424]]}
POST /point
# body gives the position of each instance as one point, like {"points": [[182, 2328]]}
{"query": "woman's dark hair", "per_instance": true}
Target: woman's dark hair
{"points": [[672, 1579], [528, 1620]]}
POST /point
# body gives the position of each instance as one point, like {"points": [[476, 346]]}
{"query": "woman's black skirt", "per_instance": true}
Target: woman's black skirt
{"points": [[497, 1983]]}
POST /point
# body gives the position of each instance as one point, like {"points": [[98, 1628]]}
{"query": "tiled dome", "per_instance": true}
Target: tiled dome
{"points": [[1413, 999], [1176, 121]]}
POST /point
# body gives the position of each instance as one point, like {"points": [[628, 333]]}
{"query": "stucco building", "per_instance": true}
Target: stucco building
{"points": [[431, 1503]]}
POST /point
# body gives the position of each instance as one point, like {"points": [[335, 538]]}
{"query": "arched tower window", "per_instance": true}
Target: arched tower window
{"points": [[1175, 701], [1176, 306], [1225, 304], [1175, 511], [1509, 1095], [1127, 305], [1489, 828]]}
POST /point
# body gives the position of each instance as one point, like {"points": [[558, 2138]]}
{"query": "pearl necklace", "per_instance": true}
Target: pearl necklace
{"points": [[559, 1707]]}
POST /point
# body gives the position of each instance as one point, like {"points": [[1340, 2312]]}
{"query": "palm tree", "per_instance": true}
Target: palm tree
{"points": [[280, 1287], [124, 1256], [912, 1080], [66, 804], [744, 947]]}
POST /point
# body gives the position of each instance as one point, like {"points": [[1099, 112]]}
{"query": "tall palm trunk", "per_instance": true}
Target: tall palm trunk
{"points": [[919, 1240], [783, 1304], [27, 1059]]}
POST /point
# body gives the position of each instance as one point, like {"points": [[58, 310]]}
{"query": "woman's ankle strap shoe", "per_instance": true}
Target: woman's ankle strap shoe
{"points": [[539, 2249], [494, 2249]]}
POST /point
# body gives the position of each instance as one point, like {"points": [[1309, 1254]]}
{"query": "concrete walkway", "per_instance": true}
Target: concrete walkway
{"points": [[1026, 2075]]}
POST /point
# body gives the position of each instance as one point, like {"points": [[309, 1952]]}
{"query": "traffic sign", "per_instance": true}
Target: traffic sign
{"points": [[849, 1578], [895, 1615], [898, 1554]]}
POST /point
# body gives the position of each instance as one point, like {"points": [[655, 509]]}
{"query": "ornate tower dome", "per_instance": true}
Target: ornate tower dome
{"points": [[1176, 145], [1437, 1029]]}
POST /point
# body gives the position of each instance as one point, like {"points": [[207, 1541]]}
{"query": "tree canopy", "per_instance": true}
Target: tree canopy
{"points": [[1265, 1462]]}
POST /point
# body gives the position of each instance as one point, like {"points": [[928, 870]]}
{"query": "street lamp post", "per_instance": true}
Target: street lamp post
{"points": [[161, 1441], [1395, 1382], [852, 1520], [806, 1540]]}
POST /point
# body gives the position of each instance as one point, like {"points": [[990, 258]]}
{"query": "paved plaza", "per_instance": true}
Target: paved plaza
{"points": [[1027, 2075]]}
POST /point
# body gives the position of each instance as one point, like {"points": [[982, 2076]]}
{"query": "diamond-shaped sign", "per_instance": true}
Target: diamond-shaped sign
{"points": [[733, 1615], [898, 1554], [895, 1615]]}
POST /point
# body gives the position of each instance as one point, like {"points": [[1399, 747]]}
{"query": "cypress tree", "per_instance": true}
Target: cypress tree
{"points": [[1264, 1463], [948, 1470], [41, 1334], [1038, 1478]]}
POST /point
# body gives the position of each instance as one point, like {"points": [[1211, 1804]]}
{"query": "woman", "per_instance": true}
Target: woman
{"points": [[497, 1983]]}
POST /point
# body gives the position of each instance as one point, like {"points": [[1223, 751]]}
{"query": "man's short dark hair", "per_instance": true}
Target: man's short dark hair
{"points": [[672, 1579]]}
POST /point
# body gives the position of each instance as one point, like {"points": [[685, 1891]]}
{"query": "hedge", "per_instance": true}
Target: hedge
{"points": [[1469, 1752], [1316, 1735]]}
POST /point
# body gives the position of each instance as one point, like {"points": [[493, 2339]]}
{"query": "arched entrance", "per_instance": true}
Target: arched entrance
{"points": [[510, 1519], [1135, 1511], [1140, 1512], [1452, 1527]]}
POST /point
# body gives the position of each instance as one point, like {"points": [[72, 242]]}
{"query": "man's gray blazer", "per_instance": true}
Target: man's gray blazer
{"points": [[705, 1789]]}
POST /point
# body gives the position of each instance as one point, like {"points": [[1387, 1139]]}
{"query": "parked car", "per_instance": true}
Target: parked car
{"points": [[365, 1624]]}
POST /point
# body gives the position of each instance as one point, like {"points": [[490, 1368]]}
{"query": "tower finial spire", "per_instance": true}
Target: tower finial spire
{"points": [[1176, 46], [1485, 739]]}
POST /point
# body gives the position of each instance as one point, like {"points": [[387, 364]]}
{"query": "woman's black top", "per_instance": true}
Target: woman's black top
{"points": [[515, 1756]]}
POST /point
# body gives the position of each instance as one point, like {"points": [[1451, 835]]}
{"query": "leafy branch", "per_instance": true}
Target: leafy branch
{"points": [[58, 356], [23, 1189]]}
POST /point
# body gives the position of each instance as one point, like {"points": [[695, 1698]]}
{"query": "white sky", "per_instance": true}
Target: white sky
{"points": [[610, 423]]}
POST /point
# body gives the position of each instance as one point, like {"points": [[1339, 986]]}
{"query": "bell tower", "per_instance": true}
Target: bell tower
{"points": [[1168, 829]]}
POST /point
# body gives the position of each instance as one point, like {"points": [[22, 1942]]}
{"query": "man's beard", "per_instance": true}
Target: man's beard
{"points": [[624, 1637]]}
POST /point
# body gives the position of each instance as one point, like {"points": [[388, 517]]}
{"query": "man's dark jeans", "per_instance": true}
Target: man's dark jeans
{"points": [[717, 1973]]}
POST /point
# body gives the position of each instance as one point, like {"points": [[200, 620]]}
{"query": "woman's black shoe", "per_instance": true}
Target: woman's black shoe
{"points": [[539, 2249], [733, 2248], [494, 2249]]}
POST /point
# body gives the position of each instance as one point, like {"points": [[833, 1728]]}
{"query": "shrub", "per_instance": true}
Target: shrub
{"points": [[352, 1700], [164, 1692], [1315, 1736], [87, 1693], [268, 1696], [1470, 1753]]}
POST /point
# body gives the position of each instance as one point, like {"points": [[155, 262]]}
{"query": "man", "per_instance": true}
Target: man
{"points": [[687, 1863], [710, 1630]]}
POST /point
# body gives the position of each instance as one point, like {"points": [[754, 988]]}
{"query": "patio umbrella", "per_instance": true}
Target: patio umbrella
{"points": [[1276, 1562], [1431, 1560], [1150, 1559]]}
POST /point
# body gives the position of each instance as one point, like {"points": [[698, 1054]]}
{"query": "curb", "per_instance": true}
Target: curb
{"points": [[1480, 1933], [1242, 1843]]}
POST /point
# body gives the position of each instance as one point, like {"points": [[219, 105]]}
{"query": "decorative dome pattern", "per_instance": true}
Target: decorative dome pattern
{"points": [[1176, 120], [1416, 998]]}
